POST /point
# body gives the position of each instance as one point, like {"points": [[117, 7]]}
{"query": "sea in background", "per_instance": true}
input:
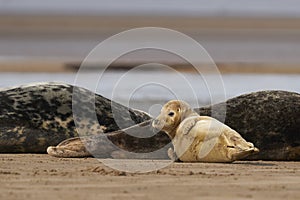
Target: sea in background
{"points": [[34, 33], [159, 87]]}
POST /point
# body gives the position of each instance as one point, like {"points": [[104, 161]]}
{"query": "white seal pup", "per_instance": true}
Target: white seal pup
{"points": [[200, 138]]}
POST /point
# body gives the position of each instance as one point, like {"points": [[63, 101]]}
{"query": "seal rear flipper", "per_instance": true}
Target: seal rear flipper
{"points": [[244, 153], [66, 153], [70, 148]]}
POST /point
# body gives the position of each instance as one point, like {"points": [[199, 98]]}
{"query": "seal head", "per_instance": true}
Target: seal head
{"points": [[172, 114]]}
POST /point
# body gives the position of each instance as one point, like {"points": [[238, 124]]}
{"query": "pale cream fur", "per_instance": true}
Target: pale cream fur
{"points": [[201, 138]]}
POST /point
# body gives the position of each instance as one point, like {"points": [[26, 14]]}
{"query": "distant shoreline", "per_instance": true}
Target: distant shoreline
{"points": [[56, 66], [29, 23], [50, 38]]}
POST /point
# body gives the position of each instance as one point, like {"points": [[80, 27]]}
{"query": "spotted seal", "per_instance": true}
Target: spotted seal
{"points": [[200, 138], [35, 116], [30, 121], [268, 119], [117, 144]]}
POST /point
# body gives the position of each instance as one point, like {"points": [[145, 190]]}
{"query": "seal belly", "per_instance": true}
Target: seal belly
{"points": [[210, 141]]}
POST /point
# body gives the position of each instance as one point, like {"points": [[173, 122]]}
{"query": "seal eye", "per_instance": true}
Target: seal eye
{"points": [[171, 114]]}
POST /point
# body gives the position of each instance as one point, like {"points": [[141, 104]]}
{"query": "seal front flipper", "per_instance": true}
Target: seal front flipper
{"points": [[188, 124], [172, 155]]}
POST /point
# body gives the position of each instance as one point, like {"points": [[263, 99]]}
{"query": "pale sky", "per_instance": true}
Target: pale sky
{"points": [[252, 8]]}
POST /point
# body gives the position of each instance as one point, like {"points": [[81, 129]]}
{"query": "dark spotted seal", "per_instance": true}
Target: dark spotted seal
{"points": [[117, 144], [33, 117], [268, 119]]}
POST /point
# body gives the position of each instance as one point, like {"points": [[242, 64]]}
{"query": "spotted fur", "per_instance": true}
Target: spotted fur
{"points": [[35, 116]]}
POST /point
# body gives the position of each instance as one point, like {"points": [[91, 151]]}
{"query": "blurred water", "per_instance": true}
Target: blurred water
{"points": [[71, 42], [156, 90]]}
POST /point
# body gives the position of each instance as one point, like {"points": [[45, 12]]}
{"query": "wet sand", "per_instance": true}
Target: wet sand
{"points": [[37, 176]]}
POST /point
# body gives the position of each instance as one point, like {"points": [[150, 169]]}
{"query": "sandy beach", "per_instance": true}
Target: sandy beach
{"points": [[36, 176]]}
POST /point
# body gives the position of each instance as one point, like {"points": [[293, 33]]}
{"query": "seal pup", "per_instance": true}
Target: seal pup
{"points": [[200, 138]]}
